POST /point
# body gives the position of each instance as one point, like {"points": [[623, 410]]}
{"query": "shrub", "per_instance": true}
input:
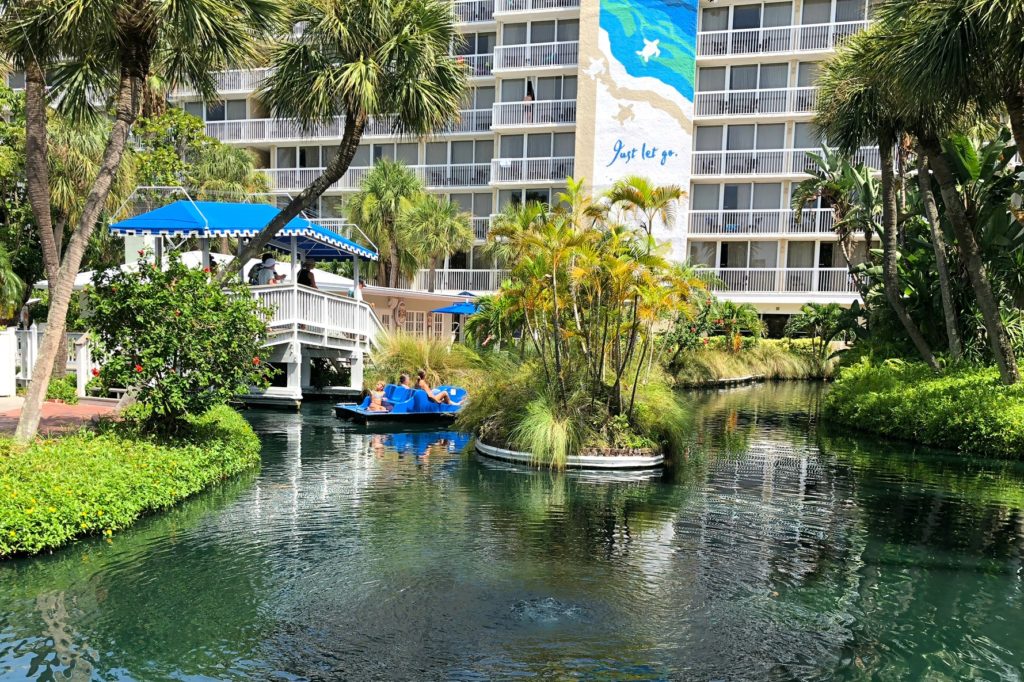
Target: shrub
{"points": [[965, 408], [95, 483], [182, 342], [65, 388]]}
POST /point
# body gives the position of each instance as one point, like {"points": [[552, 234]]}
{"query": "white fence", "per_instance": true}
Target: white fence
{"points": [[337, 320], [532, 170], [474, 11], [461, 280], [433, 176], [770, 161], [508, 6]]}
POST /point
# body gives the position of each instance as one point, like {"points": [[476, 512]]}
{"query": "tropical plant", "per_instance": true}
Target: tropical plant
{"points": [[385, 195], [732, 319], [11, 286], [643, 202], [104, 47], [825, 324], [439, 228], [358, 60], [179, 341]]}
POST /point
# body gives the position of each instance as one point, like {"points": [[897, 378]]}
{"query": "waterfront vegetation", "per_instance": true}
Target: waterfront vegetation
{"points": [[98, 482], [966, 409]]}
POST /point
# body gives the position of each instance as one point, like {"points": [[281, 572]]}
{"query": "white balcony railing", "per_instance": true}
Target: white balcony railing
{"points": [[761, 102], [474, 11], [477, 65], [529, 114], [778, 221], [536, 55], [257, 130], [461, 280], [741, 162], [233, 81], [769, 161], [801, 162], [511, 6], [531, 170], [438, 176], [803, 38], [481, 226], [780, 280]]}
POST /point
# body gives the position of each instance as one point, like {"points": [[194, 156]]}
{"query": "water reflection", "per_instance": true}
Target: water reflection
{"points": [[779, 549]]}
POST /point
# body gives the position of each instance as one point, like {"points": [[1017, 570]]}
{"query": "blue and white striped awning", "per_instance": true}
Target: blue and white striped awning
{"points": [[225, 219]]}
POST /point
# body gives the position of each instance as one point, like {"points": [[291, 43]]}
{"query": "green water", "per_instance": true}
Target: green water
{"points": [[780, 550]]}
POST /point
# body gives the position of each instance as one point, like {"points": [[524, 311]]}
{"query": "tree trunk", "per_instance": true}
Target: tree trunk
{"points": [[931, 213], [970, 253], [394, 260], [433, 271], [1014, 102], [353, 133], [129, 91], [890, 246]]}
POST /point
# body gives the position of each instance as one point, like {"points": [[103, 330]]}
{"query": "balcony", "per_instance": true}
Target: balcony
{"points": [[739, 103], [541, 170], [803, 38], [477, 65], [761, 222], [461, 280], [474, 11], [534, 7], [536, 56], [780, 280], [540, 114], [230, 82], [434, 176], [802, 163], [481, 226], [769, 162]]}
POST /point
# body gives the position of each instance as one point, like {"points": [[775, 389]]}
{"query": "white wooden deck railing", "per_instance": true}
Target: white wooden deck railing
{"points": [[27, 350], [537, 55], [802, 162], [761, 222], [781, 280], [800, 38], [750, 102], [477, 65], [235, 80], [481, 226], [540, 113], [316, 313], [532, 170]]}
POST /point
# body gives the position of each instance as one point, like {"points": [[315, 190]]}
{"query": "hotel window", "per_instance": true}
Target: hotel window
{"points": [[806, 137], [702, 253], [408, 153]]}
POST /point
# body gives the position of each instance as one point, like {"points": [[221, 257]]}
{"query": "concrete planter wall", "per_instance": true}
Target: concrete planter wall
{"points": [[591, 458]]}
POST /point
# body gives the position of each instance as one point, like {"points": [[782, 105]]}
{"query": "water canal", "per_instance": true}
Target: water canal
{"points": [[781, 550]]}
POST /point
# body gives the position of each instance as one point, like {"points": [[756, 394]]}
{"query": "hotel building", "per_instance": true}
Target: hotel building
{"points": [[716, 98]]}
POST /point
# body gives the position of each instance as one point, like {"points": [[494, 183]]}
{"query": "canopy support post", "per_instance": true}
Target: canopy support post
{"points": [[204, 245], [238, 252], [357, 293], [295, 286], [158, 251]]}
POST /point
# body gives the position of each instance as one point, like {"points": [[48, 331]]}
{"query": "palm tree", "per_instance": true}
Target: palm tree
{"points": [[226, 173], [830, 182], [855, 106], [385, 194], [11, 286], [644, 202], [735, 318], [439, 228], [357, 60], [107, 46], [948, 63]]}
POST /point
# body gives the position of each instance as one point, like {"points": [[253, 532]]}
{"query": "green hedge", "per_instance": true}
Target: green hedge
{"points": [[97, 483], [965, 409]]}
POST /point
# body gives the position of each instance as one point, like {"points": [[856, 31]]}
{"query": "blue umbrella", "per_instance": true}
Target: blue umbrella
{"points": [[466, 308]]}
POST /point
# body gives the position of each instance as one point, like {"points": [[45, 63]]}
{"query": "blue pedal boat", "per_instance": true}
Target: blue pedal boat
{"points": [[408, 405]]}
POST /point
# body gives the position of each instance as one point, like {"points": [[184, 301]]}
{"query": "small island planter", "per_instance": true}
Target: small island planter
{"points": [[589, 458]]}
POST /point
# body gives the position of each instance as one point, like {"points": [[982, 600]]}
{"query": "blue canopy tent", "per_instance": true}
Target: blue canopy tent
{"points": [[206, 219]]}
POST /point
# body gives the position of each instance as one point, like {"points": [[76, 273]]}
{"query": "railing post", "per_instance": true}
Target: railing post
{"points": [[8, 353], [815, 279], [83, 365]]}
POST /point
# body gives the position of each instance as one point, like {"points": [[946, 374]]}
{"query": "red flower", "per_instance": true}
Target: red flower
{"points": [[142, 252], [705, 340], [693, 330], [177, 313], [719, 321], [206, 270], [256, 360], [138, 368], [95, 372]]}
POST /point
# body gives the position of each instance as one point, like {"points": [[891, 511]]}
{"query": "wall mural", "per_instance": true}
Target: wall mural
{"points": [[643, 69]]}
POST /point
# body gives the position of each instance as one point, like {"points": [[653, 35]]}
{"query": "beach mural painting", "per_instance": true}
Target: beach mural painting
{"points": [[643, 68]]}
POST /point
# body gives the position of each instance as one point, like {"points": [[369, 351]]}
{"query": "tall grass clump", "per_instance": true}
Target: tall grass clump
{"points": [[444, 362], [769, 359], [963, 408], [551, 437]]}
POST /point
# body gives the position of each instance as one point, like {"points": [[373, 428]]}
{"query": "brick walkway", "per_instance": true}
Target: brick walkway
{"points": [[57, 417]]}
